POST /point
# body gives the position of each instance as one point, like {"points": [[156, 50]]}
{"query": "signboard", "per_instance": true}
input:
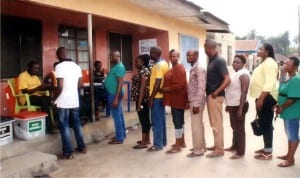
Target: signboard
{"points": [[145, 45], [35, 126]]}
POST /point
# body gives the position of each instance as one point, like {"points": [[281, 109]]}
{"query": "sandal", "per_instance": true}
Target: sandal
{"points": [[115, 142], [192, 155], [83, 150], [263, 156], [62, 156], [173, 150], [140, 146], [153, 149], [286, 164], [236, 156]]}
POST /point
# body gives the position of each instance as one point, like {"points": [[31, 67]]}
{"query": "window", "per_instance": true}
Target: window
{"points": [[229, 55], [21, 42], [75, 40], [123, 44], [187, 43]]}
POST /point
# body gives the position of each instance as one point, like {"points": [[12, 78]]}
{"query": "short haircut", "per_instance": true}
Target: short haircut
{"points": [[97, 62], [173, 50], [31, 64], [59, 50], [295, 60], [211, 43], [242, 57]]}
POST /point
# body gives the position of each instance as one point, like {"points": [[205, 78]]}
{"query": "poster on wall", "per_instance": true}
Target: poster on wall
{"points": [[145, 45]]}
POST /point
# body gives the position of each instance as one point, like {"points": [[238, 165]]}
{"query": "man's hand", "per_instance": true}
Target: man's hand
{"points": [[196, 110], [259, 104], [240, 113], [150, 102], [115, 103]]}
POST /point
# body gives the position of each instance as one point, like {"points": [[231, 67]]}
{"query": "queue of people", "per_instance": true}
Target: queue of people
{"points": [[156, 85]]}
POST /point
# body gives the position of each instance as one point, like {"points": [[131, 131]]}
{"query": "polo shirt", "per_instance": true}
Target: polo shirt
{"points": [[216, 69], [157, 72], [264, 78], [290, 90], [27, 81], [111, 81]]}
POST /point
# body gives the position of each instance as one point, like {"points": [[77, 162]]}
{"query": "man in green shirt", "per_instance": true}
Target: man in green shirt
{"points": [[113, 84]]}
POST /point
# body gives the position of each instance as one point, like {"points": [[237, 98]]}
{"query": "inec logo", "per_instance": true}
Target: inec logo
{"points": [[35, 126]]}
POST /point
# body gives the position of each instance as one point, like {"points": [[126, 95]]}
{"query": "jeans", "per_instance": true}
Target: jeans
{"points": [[118, 117], [266, 119], [158, 119], [178, 117], [63, 123]]}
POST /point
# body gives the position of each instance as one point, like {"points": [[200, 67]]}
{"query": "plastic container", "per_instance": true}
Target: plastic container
{"points": [[29, 124], [6, 131]]}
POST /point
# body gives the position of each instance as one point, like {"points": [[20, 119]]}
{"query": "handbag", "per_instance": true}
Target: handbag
{"points": [[256, 126]]}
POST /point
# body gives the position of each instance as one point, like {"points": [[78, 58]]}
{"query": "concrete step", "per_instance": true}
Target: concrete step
{"points": [[93, 132], [30, 164]]}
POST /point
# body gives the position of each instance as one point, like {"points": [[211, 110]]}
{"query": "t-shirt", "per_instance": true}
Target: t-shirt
{"points": [[157, 72], [27, 81], [70, 72], [234, 91], [216, 70], [111, 81], [290, 90]]}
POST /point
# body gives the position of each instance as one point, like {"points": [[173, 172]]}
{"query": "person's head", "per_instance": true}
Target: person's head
{"points": [[97, 65], [33, 68], [155, 53], [115, 57], [266, 50], [239, 61], [210, 48], [142, 60], [192, 56], [174, 56], [61, 53], [291, 64]]}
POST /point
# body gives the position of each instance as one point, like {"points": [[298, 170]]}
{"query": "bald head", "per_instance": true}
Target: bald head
{"points": [[155, 53]]}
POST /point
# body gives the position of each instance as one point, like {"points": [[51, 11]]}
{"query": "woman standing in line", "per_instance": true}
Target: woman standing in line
{"points": [[289, 110], [175, 96], [263, 89], [237, 105], [140, 94]]}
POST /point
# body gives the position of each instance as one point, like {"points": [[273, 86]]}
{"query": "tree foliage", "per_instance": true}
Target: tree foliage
{"points": [[281, 43]]}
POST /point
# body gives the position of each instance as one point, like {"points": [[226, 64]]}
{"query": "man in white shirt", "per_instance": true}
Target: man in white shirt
{"points": [[68, 75]]}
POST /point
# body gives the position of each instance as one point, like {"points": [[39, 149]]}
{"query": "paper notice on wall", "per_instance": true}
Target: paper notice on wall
{"points": [[145, 45]]}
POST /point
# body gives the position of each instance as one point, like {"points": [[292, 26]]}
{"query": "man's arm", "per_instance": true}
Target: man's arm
{"points": [[155, 90], [224, 84], [58, 90], [119, 89]]}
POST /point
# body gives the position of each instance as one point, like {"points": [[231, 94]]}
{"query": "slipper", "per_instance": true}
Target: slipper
{"points": [[173, 150], [282, 157], [215, 154], [192, 155], [236, 156], [140, 146], [286, 164], [115, 142], [153, 149], [230, 149], [62, 156], [140, 142], [182, 146], [263, 156], [83, 150], [260, 151]]}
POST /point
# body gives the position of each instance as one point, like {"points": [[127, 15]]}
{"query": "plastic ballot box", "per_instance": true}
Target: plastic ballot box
{"points": [[29, 124], [6, 131]]}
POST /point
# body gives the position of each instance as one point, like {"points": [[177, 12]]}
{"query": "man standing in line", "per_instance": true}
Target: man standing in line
{"points": [[158, 117], [113, 85], [68, 75], [217, 80], [196, 95]]}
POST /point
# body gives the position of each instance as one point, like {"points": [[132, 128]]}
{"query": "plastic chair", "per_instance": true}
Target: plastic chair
{"points": [[12, 98], [85, 77]]}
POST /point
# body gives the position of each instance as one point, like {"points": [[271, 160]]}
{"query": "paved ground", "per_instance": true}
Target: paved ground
{"points": [[118, 161]]}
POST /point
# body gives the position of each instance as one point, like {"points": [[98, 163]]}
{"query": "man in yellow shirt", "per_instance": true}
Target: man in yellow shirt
{"points": [[158, 117], [29, 82]]}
